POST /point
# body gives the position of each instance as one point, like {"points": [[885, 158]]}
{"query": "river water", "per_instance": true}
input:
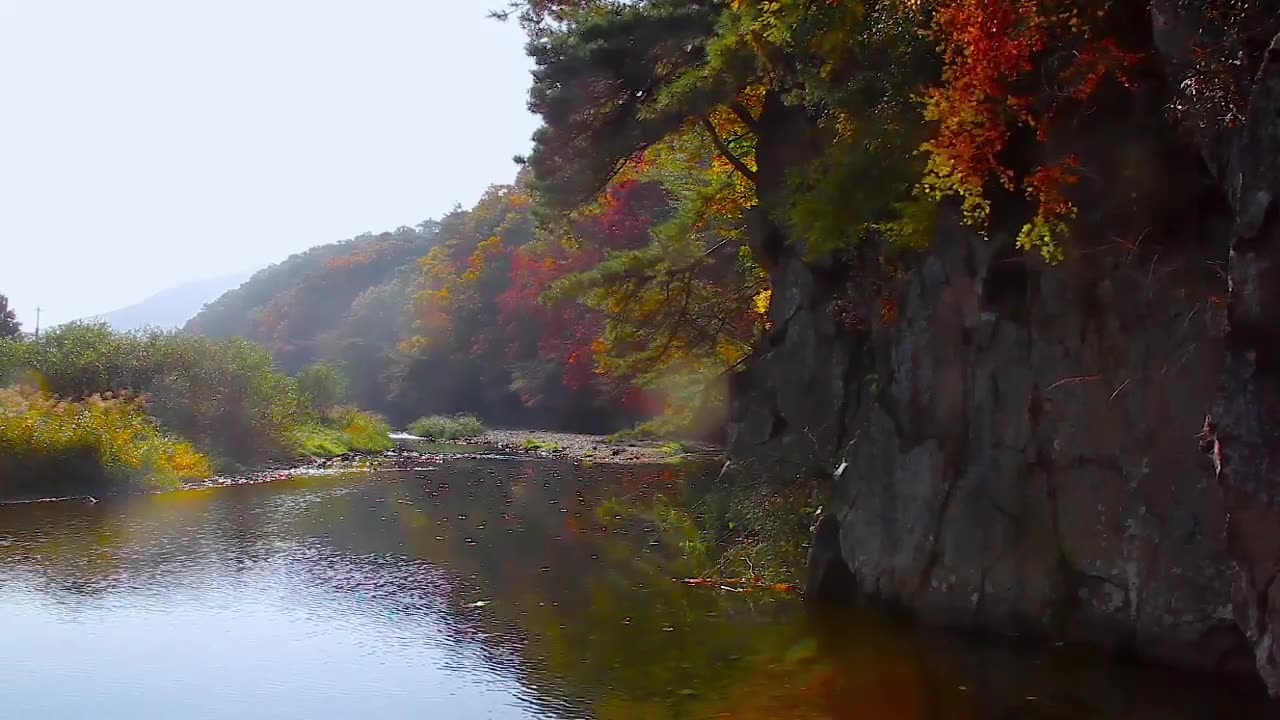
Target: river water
{"points": [[473, 588]]}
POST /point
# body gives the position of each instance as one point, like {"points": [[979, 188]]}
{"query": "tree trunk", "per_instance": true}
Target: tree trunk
{"points": [[1243, 430]]}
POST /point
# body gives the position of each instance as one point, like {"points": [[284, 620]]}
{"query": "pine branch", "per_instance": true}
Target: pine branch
{"points": [[724, 150]]}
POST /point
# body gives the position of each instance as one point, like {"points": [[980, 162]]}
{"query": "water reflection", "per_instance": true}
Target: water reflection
{"points": [[479, 588]]}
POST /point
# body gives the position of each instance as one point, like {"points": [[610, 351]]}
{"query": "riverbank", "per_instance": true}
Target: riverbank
{"points": [[424, 454], [597, 448]]}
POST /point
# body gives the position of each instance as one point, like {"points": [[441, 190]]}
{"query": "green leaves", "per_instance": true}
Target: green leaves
{"points": [[601, 85], [322, 386]]}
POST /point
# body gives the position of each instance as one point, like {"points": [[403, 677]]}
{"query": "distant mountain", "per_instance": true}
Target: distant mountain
{"points": [[172, 308]]}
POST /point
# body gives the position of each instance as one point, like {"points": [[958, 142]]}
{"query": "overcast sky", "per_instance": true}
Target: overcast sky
{"points": [[144, 143]]}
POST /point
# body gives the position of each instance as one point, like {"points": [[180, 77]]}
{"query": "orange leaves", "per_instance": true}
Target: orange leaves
{"points": [[990, 49], [888, 312], [484, 253], [1094, 63], [1046, 185], [986, 46]]}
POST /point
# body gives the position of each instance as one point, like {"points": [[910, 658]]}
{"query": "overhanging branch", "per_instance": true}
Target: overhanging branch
{"points": [[743, 113], [724, 150]]}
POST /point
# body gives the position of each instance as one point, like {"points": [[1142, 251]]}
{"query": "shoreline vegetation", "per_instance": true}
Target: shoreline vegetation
{"points": [[84, 409]]}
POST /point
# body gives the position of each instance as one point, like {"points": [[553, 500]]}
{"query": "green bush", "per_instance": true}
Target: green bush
{"points": [[445, 427], [228, 398], [49, 445]]}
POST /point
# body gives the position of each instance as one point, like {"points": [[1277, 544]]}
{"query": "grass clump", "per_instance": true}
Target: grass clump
{"points": [[363, 431], [540, 445], [448, 427], [343, 430], [99, 442]]}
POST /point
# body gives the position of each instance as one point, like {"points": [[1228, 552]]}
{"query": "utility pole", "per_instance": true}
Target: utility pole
{"points": [[37, 323]]}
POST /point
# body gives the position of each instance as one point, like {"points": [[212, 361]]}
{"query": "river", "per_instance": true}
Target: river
{"points": [[473, 588]]}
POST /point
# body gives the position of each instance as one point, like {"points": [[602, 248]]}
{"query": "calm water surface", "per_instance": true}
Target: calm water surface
{"points": [[474, 589]]}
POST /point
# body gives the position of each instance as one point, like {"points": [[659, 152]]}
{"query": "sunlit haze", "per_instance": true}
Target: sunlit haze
{"points": [[146, 143]]}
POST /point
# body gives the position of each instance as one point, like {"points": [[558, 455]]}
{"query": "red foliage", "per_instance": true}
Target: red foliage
{"points": [[566, 330]]}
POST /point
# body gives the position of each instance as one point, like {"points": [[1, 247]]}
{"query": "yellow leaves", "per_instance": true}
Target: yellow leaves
{"points": [[760, 303], [730, 352], [116, 432]]}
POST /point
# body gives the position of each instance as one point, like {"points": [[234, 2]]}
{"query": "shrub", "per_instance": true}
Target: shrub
{"points": [[228, 398], [445, 427], [50, 445]]}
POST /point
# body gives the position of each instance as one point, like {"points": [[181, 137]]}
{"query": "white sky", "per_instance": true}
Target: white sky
{"points": [[145, 143]]}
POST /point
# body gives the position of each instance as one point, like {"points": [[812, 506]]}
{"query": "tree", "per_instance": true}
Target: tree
{"points": [[9, 325], [322, 386], [729, 108]]}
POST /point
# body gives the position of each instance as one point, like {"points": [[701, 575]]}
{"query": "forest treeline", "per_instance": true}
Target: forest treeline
{"points": [[485, 311]]}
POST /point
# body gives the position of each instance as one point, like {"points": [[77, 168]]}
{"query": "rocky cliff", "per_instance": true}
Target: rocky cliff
{"points": [[1014, 444]]}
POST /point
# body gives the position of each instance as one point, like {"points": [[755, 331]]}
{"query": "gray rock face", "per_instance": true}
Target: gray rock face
{"points": [[1023, 474], [1017, 451], [1243, 429]]}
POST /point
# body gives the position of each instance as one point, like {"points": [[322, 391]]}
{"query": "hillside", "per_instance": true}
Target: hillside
{"points": [[339, 302], [171, 308]]}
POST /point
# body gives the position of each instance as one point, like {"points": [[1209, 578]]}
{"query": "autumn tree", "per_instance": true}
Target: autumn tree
{"points": [[731, 108]]}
